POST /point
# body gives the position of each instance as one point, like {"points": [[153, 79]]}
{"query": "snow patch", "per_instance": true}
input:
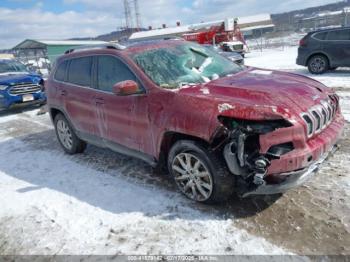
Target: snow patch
{"points": [[224, 107]]}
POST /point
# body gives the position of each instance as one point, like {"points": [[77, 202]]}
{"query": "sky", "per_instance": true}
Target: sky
{"points": [[63, 19]]}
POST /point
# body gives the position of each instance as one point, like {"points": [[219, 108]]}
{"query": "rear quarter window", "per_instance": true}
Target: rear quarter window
{"points": [[79, 72], [339, 35], [320, 36], [60, 74]]}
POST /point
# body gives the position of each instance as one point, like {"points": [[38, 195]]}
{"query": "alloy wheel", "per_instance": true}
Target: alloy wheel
{"points": [[64, 134], [318, 65], [192, 177]]}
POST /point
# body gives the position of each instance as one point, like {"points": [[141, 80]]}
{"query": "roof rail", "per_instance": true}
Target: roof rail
{"points": [[102, 46]]}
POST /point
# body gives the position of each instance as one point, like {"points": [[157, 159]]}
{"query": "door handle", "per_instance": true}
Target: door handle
{"points": [[63, 92]]}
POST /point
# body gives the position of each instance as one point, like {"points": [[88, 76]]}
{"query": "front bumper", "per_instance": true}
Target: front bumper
{"points": [[291, 169], [291, 179], [10, 101]]}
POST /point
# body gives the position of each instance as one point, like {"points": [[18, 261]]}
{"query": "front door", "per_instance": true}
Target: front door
{"points": [[120, 117]]}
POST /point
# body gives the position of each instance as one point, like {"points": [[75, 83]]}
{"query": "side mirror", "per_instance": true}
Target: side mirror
{"points": [[126, 88]]}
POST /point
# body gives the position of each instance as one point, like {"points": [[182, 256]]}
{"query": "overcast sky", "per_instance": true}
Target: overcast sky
{"points": [[61, 19]]}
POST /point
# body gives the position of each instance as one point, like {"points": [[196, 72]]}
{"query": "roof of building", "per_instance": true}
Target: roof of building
{"points": [[254, 19], [257, 27], [190, 28], [35, 43]]}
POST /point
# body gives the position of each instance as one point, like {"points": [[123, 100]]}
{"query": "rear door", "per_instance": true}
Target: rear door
{"points": [[122, 119], [78, 95], [337, 46]]}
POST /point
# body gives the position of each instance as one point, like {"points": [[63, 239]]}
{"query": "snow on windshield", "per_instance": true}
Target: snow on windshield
{"points": [[184, 64]]}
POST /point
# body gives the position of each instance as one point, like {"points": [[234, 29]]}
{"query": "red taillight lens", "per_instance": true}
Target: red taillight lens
{"points": [[302, 42]]}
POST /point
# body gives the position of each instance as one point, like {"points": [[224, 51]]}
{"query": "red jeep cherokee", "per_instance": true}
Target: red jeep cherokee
{"points": [[219, 127]]}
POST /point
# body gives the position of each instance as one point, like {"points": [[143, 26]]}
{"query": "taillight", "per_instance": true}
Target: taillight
{"points": [[302, 42]]}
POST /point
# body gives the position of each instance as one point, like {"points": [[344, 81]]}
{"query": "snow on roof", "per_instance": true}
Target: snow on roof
{"points": [[173, 30], [160, 32], [257, 27], [253, 19], [319, 15], [190, 28]]}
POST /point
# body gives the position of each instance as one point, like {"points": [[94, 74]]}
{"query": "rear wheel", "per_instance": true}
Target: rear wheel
{"points": [[199, 173], [318, 64], [66, 136]]}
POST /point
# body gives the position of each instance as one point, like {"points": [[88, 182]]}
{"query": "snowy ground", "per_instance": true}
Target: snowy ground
{"points": [[101, 202]]}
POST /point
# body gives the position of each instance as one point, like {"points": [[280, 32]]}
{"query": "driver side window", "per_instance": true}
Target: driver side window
{"points": [[111, 70]]}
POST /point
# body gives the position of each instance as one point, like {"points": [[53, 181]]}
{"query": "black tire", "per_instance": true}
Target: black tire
{"points": [[221, 179], [77, 145], [318, 64]]}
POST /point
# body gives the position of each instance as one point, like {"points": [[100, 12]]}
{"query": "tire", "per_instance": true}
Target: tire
{"points": [[318, 64], [211, 175], [69, 141]]}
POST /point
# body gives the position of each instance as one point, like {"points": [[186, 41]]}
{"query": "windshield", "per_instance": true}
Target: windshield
{"points": [[184, 64], [11, 66]]}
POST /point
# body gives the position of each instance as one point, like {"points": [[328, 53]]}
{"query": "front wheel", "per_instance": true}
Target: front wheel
{"points": [[200, 174], [66, 136], [318, 64]]}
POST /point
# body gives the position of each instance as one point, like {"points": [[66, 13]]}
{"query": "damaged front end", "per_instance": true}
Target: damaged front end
{"points": [[240, 142]]}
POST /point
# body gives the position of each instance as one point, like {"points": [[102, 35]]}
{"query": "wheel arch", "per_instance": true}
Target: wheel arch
{"points": [[170, 138], [318, 53], [54, 111]]}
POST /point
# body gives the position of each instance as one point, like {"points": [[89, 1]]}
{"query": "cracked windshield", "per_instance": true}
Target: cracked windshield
{"points": [[184, 64]]}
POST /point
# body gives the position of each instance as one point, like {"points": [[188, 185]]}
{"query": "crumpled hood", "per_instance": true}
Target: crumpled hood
{"points": [[10, 79], [266, 91]]}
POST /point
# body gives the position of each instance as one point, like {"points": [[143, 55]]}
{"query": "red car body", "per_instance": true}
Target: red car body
{"points": [[146, 125]]}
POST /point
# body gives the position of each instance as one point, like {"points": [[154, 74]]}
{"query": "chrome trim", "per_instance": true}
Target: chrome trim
{"points": [[316, 115], [24, 89]]}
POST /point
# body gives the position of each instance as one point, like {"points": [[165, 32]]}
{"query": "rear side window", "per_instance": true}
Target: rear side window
{"points": [[80, 71], [339, 35], [110, 71], [320, 36], [60, 74]]}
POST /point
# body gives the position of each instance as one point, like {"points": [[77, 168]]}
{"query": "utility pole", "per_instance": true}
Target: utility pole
{"points": [[137, 15], [128, 15]]}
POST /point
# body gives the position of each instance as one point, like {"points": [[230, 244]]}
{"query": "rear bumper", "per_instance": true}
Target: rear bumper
{"points": [[302, 57], [291, 179]]}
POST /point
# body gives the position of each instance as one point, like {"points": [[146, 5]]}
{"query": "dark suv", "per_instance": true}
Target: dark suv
{"points": [[325, 50], [217, 126]]}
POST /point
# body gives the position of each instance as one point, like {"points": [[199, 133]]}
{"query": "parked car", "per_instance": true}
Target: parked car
{"points": [[18, 86], [232, 55], [217, 126], [325, 50]]}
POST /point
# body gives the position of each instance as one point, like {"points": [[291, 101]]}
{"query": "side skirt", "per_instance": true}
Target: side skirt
{"points": [[99, 142]]}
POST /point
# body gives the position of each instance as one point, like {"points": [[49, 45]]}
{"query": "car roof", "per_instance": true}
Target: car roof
{"points": [[126, 47], [329, 29]]}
